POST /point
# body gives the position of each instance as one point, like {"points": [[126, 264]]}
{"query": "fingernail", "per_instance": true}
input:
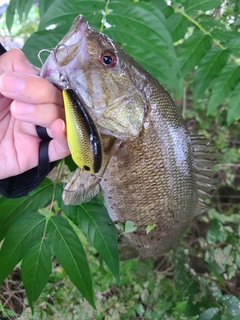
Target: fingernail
{"points": [[18, 107], [10, 82], [63, 127]]}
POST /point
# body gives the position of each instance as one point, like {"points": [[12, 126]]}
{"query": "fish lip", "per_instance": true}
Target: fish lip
{"points": [[51, 68]]}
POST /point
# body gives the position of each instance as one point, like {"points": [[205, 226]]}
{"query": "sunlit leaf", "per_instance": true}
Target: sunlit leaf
{"points": [[13, 209], [93, 220], [36, 269], [23, 234], [67, 248], [150, 227]]}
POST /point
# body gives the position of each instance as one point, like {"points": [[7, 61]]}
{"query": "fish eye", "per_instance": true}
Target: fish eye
{"points": [[108, 59]]}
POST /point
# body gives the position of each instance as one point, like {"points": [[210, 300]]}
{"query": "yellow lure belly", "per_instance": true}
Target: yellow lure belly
{"points": [[82, 135]]}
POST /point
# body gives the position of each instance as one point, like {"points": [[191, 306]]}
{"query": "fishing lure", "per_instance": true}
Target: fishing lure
{"points": [[82, 135]]}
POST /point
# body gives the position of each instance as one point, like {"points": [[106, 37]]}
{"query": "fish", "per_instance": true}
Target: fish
{"points": [[153, 172]]}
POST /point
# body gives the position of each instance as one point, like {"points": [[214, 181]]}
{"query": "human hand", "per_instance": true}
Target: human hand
{"points": [[27, 100]]}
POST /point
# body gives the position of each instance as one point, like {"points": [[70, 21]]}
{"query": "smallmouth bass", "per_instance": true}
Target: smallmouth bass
{"points": [[153, 172]]}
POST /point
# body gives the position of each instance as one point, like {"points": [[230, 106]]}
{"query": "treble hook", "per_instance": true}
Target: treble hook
{"points": [[41, 51], [53, 53]]}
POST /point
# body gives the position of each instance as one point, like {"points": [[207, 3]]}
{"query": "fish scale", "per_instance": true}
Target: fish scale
{"points": [[153, 171]]}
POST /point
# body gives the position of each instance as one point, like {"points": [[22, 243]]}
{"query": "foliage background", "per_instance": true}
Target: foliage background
{"points": [[193, 48]]}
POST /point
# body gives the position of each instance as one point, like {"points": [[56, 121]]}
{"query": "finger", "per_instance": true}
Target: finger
{"points": [[29, 88], [39, 114], [15, 61], [58, 147]]}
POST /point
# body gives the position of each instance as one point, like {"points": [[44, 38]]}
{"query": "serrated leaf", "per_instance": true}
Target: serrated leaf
{"points": [[13, 209], [192, 7], [152, 46], [224, 85], [209, 68], [36, 268], [223, 35], [93, 220], [67, 248], [234, 46], [234, 105], [192, 51], [208, 314], [177, 25], [23, 233]]}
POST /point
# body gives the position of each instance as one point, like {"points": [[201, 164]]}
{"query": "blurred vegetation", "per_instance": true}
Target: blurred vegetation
{"points": [[193, 48]]}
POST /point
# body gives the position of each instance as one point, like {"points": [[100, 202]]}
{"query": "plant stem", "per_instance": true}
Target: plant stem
{"points": [[105, 15]]}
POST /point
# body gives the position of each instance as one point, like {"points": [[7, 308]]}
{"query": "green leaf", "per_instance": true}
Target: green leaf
{"points": [[23, 7], [26, 231], [14, 209], [234, 105], [11, 8], [177, 25], [192, 7], [192, 51], [67, 248], [208, 314], [164, 7], [209, 68], [43, 6], [129, 227], [93, 220], [232, 305], [64, 12], [234, 46], [36, 269], [224, 85], [150, 227]]}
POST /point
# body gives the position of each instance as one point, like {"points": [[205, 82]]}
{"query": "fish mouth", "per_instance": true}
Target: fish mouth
{"points": [[61, 59]]}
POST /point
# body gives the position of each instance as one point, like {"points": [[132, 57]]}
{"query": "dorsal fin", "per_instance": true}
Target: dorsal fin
{"points": [[204, 160]]}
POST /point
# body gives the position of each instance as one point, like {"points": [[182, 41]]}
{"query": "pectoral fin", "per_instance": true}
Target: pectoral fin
{"points": [[82, 187]]}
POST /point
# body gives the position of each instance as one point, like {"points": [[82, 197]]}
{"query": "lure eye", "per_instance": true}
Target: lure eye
{"points": [[108, 59]]}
